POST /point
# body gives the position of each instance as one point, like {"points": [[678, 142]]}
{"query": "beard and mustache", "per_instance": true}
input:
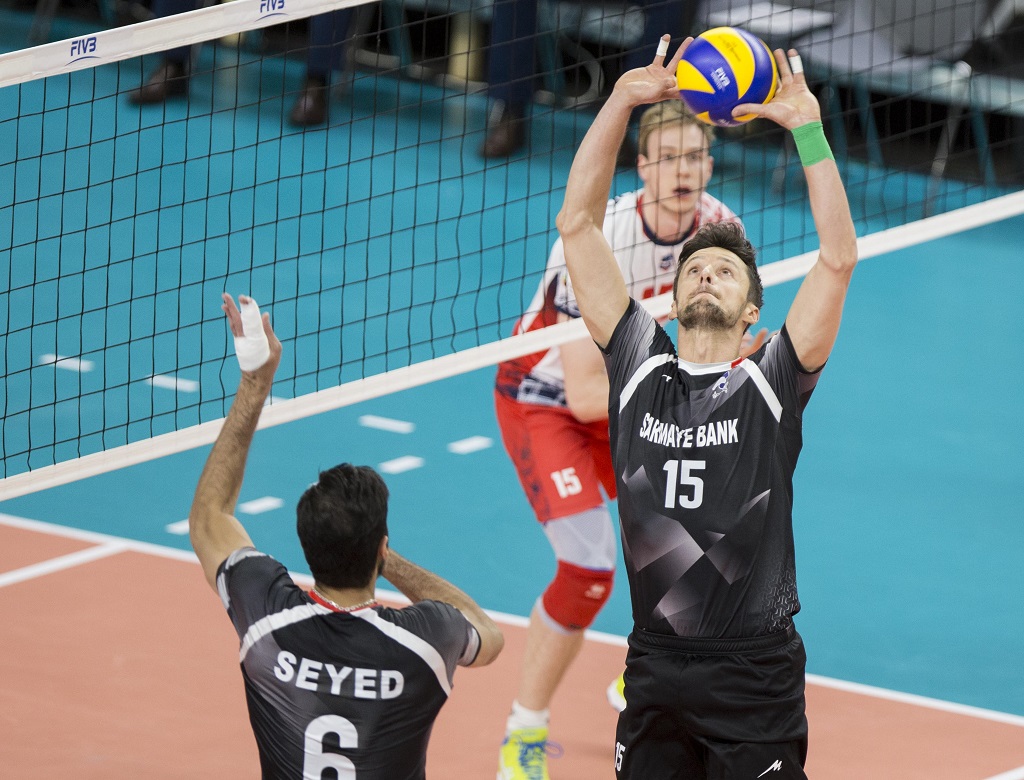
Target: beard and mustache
{"points": [[705, 314]]}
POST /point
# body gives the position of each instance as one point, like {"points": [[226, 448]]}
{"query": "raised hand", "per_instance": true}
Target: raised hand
{"points": [[655, 82], [794, 104], [256, 345]]}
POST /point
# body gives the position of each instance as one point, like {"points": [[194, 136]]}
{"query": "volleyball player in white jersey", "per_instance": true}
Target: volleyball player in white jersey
{"points": [[552, 409], [704, 446], [334, 681]]}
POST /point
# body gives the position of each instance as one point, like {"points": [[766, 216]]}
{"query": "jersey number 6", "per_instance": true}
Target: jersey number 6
{"points": [[680, 475], [317, 760]]}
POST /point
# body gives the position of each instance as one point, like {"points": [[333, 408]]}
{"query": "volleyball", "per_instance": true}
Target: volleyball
{"points": [[723, 68]]}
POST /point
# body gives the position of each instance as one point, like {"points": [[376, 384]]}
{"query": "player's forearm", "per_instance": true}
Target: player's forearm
{"points": [[831, 210], [590, 178], [418, 584], [596, 277], [222, 475], [829, 205]]}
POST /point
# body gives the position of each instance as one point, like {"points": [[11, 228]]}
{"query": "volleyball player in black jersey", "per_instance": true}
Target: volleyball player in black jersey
{"points": [[334, 682], [704, 445]]}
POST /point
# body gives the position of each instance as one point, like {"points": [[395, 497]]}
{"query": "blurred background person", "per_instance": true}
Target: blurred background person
{"points": [[328, 34]]}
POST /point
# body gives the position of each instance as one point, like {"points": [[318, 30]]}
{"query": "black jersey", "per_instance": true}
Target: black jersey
{"points": [[704, 458], [354, 692]]}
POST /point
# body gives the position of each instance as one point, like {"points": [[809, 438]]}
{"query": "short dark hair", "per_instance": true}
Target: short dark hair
{"points": [[729, 236], [341, 521]]}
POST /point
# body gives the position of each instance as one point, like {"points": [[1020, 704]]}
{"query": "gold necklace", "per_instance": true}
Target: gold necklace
{"points": [[318, 596]]}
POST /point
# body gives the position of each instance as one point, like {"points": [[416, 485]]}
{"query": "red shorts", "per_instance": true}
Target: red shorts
{"points": [[562, 463]]}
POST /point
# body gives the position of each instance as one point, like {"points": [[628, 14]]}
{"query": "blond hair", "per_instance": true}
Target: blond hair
{"points": [[668, 112]]}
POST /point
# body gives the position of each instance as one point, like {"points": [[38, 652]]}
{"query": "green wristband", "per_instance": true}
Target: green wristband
{"points": [[811, 144]]}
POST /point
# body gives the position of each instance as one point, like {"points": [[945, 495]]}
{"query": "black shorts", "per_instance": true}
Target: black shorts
{"points": [[714, 709]]}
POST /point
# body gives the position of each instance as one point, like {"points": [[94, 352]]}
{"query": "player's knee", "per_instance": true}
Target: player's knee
{"points": [[576, 595]]}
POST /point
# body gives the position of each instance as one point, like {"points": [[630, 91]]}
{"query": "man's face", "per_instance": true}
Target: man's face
{"points": [[712, 291], [676, 168]]}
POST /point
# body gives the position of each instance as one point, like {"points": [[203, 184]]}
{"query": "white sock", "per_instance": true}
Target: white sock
{"points": [[522, 718]]}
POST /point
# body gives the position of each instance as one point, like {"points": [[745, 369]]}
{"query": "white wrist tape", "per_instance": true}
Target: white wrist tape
{"points": [[252, 347]]}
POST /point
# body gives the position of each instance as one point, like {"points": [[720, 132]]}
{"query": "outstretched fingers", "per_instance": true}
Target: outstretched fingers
{"points": [[268, 328], [791, 68], [674, 62], [662, 52], [793, 103], [233, 314], [659, 55], [760, 110], [796, 67]]}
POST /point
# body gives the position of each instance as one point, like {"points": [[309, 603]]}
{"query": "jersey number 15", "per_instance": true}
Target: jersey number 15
{"points": [[682, 487]]}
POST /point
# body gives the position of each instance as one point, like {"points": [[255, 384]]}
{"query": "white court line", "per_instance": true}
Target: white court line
{"points": [[386, 424], [1013, 774], [914, 699], [519, 621], [472, 444], [260, 505], [401, 464], [69, 363], [174, 383], [255, 507], [97, 538], [59, 564]]}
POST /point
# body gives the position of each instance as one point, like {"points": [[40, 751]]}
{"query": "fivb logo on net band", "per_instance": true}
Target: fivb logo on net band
{"points": [[84, 49], [272, 8]]}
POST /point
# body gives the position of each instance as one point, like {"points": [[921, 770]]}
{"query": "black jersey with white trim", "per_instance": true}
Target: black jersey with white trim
{"points": [[348, 691], [704, 456]]}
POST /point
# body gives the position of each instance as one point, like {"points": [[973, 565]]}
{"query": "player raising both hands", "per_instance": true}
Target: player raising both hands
{"points": [[704, 446]]}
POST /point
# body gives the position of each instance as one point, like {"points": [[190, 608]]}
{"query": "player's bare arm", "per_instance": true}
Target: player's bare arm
{"points": [[596, 278], [213, 529], [813, 319], [417, 584], [586, 379]]}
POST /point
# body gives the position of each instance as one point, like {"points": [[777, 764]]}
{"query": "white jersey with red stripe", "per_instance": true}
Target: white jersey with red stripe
{"points": [[648, 268]]}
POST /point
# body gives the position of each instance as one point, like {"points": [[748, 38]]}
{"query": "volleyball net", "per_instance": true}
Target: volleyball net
{"points": [[388, 251]]}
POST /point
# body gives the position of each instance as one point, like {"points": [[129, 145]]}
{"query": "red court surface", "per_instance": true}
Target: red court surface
{"points": [[123, 665]]}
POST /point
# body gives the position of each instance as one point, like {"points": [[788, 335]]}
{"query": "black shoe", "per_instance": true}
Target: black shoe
{"points": [[506, 131], [168, 80], [626, 157], [311, 105]]}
